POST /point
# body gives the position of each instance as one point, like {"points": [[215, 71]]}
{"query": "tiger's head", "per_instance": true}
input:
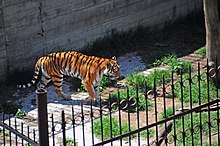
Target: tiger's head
{"points": [[112, 68]]}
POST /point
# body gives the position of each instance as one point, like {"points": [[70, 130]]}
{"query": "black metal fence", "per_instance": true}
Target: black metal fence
{"points": [[183, 110]]}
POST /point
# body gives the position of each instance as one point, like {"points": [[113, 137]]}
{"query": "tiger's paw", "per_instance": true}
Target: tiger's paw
{"points": [[88, 100]]}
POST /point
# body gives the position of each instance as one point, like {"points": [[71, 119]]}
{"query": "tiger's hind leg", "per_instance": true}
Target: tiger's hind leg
{"points": [[96, 88], [43, 81], [57, 82]]}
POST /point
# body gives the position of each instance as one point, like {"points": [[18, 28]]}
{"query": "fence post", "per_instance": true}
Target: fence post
{"points": [[41, 100]]}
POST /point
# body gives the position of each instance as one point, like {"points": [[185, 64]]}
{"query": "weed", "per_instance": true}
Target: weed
{"points": [[201, 51], [69, 141], [140, 80], [194, 93], [132, 100], [20, 113], [175, 63], [104, 83], [196, 121], [169, 112], [115, 128]]}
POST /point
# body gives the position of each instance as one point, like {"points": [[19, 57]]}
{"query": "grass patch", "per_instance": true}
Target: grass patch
{"points": [[187, 125], [132, 102], [196, 121], [69, 141], [115, 128], [20, 113], [201, 51], [104, 83], [195, 90], [169, 112], [175, 63], [140, 80]]}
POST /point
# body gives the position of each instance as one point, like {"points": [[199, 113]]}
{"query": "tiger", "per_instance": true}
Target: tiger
{"points": [[90, 69]]}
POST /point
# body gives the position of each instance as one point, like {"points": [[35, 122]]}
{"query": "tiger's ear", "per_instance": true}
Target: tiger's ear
{"points": [[113, 58], [108, 65]]}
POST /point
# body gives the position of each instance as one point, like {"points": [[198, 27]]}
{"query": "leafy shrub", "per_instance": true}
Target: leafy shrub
{"points": [[201, 51], [20, 113], [140, 80], [115, 128], [195, 90], [175, 63]]}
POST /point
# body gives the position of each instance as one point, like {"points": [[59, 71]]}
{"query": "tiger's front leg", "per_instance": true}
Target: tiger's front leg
{"points": [[89, 88]]}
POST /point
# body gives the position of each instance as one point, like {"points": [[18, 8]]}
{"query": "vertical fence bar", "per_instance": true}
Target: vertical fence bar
{"points": [[119, 116], [129, 122], [83, 128], [173, 101], [73, 123], [199, 96], [138, 118], [146, 99], [182, 105], [22, 132], [100, 113], [9, 120], [3, 118], [16, 137], [64, 128], [34, 135], [110, 118], [41, 101], [217, 87], [91, 117], [28, 133], [155, 109], [190, 96], [209, 117], [165, 112], [53, 129]]}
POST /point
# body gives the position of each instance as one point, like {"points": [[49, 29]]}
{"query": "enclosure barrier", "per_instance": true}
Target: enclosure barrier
{"points": [[182, 110]]}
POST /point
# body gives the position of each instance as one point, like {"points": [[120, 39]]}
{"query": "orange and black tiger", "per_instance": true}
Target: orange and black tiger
{"points": [[89, 69]]}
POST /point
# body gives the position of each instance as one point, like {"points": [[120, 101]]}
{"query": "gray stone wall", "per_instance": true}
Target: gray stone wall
{"points": [[32, 28]]}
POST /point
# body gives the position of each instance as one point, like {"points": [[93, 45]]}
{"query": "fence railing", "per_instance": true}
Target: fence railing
{"points": [[16, 133], [181, 111]]}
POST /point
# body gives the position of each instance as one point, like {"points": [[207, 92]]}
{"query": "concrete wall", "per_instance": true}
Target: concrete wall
{"points": [[32, 28]]}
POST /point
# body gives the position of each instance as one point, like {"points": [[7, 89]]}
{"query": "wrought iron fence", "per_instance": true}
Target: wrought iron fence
{"points": [[183, 111], [16, 133]]}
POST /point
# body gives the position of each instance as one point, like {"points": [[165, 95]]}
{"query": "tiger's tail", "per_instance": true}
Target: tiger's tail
{"points": [[35, 76]]}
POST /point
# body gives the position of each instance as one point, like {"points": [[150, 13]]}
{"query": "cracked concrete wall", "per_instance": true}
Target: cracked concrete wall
{"points": [[32, 28]]}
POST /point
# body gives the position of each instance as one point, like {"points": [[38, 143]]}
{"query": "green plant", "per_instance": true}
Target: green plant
{"points": [[175, 63], [104, 83], [196, 121], [169, 112], [115, 128], [195, 90], [139, 79], [20, 113], [4, 132], [69, 141], [164, 60], [27, 144], [201, 51], [132, 100]]}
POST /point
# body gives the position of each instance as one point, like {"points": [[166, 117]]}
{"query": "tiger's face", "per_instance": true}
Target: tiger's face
{"points": [[113, 68]]}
